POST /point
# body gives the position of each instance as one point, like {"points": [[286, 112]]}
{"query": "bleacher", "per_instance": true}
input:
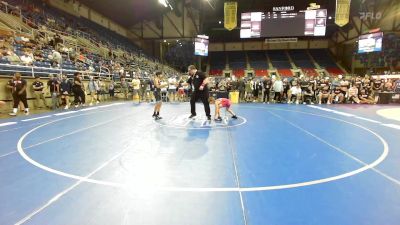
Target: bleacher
{"points": [[300, 59], [258, 62], [279, 59], [89, 41], [217, 63], [322, 57], [237, 62]]}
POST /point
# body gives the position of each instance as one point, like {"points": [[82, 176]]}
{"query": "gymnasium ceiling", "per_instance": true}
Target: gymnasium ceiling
{"points": [[130, 12]]}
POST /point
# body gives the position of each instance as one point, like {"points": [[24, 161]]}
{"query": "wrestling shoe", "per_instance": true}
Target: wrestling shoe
{"points": [[219, 119]]}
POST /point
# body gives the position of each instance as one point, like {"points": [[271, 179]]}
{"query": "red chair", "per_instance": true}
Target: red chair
{"points": [[285, 72], [261, 73]]}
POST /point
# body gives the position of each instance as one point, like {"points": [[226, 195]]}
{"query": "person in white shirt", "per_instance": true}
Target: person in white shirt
{"points": [[93, 88], [164, 89], [295, 91], [26, 59], [352, 94], [56, 57], [136, 88], [278, 89], [172, 83]]}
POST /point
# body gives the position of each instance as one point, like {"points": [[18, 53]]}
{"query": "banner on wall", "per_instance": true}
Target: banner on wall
{"points": [[342, 15], [230, 15]]}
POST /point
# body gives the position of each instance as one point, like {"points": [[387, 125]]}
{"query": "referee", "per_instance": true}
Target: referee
{"points": [[199, 82]]}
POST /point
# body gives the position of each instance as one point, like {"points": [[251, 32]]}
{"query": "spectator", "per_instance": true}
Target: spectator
{"points": [[124, 88], [353, 94], [241, 88], [12, 57], [18, 87], [172, 87], [308, 95], [27, 59], [365, 98], [38, 89], [249, 91], [56, 58], [278, 89], [136, 88], [295, 92], [65, 90], [53, 87], [78, 90], [93, 88], [111, 89], [102, 89], [267, 85]]}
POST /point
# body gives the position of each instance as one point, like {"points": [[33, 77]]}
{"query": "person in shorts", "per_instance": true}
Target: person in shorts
{"points": [[337, 95], [157, 95], [295, 92], [222, 103], [365, 97]]}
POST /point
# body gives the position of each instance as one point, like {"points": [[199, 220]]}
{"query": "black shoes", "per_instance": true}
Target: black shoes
{"points": [[234, 117], [157, 117], [208, 117], [192, 116]]}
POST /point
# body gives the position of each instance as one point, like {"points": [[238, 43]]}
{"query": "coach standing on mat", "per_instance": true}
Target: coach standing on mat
{"points": [[199, 82]]}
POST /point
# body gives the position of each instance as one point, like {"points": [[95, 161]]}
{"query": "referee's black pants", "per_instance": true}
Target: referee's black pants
{"points": [[203, 95]]}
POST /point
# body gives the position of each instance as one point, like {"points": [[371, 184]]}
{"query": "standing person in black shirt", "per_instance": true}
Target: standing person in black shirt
{"points": [[38, 87], [54, 89], [65, 89], [267, 84], [18, 87], [241, 88], [77, 89], [9, 86], [199, 82]]}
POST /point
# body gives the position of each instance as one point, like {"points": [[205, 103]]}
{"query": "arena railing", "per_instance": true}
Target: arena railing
{"points": [[32, 71]]}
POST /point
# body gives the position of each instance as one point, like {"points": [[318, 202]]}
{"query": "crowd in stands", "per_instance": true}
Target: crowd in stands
{"points": [[308, 90], [49, 46]]}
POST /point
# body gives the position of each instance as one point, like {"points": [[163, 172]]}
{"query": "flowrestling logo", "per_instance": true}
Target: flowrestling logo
{"points": [[200, 122]]}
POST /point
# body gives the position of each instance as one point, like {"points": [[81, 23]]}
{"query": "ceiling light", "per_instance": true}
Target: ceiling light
{"points": [[163, 2]]}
